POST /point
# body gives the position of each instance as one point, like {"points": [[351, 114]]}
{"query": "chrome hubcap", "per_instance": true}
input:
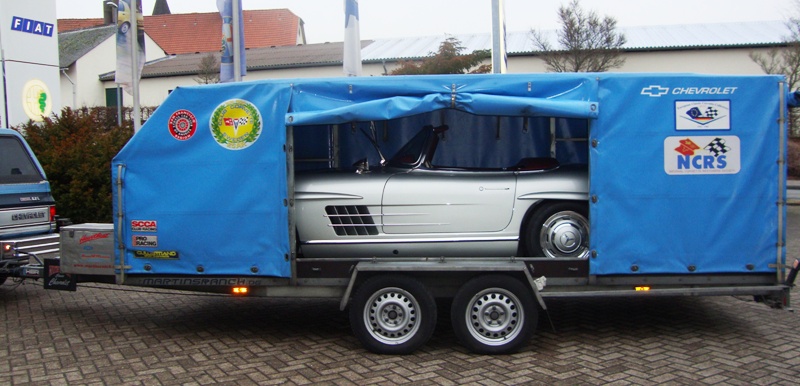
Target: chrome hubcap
{"points": [[565, 234]]}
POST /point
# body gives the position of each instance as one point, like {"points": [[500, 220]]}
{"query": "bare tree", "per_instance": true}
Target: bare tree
{"points": [[785, 61], [586, 43], [208, 70]]}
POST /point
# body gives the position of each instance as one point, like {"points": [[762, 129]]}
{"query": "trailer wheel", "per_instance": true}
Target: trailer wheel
{"points": [[392, 314], [558, 229], [494, 314]]}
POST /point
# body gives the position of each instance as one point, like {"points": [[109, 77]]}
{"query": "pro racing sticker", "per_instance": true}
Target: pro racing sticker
{"points": [[702, 155], [145, 241], [182, 125], [236, 124]]}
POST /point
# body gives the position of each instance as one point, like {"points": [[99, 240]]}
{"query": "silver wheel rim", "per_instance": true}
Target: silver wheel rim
{"points": [[392, 316], [565, 234], [495, 316]]}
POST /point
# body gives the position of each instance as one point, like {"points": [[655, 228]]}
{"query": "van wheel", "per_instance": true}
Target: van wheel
{"points": [[494, 315], [393, 314], [558, 229]]}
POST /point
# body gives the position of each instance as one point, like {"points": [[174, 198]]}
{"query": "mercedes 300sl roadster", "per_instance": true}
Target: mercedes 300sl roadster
{"points": [[416, 206]]}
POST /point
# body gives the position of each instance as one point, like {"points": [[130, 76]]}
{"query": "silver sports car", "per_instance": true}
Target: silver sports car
{"points": [[413, 207]]}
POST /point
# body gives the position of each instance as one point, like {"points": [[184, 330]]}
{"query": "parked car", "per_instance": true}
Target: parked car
{"points": [[413, 206], [27, 208]]}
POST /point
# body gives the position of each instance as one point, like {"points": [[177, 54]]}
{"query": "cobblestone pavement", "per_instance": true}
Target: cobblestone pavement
{"points": [[108, 335]]}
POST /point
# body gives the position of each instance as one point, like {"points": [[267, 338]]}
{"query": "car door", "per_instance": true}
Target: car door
{"points": [[424, 201]]}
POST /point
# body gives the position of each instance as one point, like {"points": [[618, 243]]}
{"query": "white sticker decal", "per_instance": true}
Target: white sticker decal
{"points": [[145, 241], [702, 155], [702, 115]]}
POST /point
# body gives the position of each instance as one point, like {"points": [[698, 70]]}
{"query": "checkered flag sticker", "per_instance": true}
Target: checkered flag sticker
{"points": [[711, 112], [717, 147]]}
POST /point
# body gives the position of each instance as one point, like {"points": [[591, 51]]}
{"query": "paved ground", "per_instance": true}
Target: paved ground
{"points": [[106, 336]]}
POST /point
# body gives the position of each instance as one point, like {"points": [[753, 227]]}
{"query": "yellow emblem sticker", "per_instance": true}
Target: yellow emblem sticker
{"points": [[236, 124], [36, 100]]}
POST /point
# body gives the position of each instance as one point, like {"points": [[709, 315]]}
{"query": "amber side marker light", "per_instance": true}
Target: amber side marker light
{"points": [[643, 288], [240, 290]]}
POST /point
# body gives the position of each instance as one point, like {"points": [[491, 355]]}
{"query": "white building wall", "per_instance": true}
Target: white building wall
{"points": [[29, 84], [720, 61], [153, 91], [86, 71], [705, 61]]}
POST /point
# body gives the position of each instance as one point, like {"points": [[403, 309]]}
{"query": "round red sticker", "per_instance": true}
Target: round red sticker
{"points": [[182, 125]]}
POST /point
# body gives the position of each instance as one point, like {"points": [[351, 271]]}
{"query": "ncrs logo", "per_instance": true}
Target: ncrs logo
{"points": [[656, 91]]}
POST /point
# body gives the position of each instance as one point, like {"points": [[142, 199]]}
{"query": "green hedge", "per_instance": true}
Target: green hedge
{"points": [[75, 150]]}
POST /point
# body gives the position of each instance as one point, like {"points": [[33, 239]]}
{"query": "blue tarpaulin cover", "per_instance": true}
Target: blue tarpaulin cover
{"points": [[683, 167]]}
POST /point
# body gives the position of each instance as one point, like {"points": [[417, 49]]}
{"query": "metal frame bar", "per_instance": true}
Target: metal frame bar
{"points": [[781, 257], [289, 148], [441, 266], [120, 215]]}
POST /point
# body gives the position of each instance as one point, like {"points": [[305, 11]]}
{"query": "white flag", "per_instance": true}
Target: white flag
{"points": [[352, 39]]}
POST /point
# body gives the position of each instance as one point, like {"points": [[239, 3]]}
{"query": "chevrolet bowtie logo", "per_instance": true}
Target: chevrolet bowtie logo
{"points": [[655, 91]]}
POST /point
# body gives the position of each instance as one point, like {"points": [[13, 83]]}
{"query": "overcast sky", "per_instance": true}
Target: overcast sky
{"points": [[324, 19]]}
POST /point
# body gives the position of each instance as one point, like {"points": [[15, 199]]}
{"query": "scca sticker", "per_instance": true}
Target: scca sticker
{"points": [[702, 155], [182, 125], [144, 226], [236, 124]]}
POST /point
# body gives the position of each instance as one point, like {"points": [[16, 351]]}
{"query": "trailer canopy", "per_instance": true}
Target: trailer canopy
{"points": [[677, 164]]}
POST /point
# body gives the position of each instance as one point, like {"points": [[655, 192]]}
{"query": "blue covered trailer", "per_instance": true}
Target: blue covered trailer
{"points": [[680, 191]]}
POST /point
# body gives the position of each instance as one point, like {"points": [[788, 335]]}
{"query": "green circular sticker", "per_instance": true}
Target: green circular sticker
{"points": [[236, 124]]}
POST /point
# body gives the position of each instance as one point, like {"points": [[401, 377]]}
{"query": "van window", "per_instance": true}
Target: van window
{"points": [[16, 165]]}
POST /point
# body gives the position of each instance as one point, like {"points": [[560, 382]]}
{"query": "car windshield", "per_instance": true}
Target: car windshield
{"points": [[16, 165], [410, 153]]}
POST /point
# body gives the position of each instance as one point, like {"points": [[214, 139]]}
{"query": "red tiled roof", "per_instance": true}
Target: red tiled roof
{"points": [[202, 32], [65, 25]]}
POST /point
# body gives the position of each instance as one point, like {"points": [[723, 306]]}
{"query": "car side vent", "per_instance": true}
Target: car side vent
{"points": [[351, 220]]}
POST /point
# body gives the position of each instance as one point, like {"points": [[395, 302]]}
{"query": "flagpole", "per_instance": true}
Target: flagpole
{"points": [[137, 113], [499, 59], [237, 49]]}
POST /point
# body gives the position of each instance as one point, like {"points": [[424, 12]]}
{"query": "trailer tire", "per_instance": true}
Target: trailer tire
{"points": [[558, 229], [393, 314], [494, 314], [3, 279]]}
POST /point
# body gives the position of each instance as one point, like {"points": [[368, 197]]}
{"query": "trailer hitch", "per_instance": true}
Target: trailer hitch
{"points": [[792, 273]]}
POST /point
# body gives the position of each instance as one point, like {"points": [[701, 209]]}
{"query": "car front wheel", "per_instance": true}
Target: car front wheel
{"points": [[558, 229]]}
